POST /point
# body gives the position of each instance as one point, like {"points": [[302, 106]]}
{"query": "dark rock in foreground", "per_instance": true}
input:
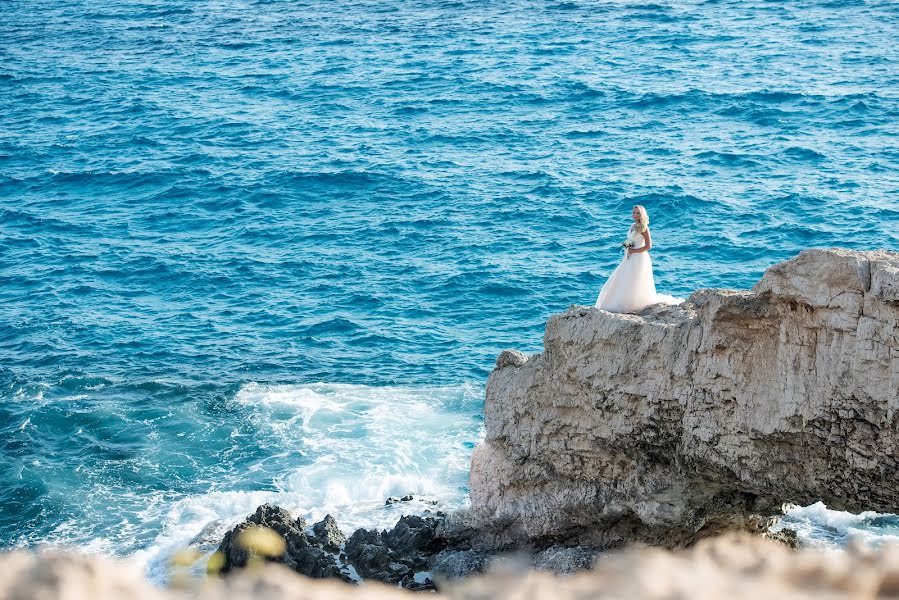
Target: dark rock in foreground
{"points": [[393, 556], [413, 555], [418, 553], [304, 554], [328, 535], [368, 553]]}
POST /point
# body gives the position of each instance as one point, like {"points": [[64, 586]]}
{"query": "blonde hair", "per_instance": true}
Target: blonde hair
{"points": [[643, 224]]}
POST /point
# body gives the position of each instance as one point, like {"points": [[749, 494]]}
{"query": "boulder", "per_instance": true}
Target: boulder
{"points": [[414, 538], [328, 535], [370, 556], [301, 554]]}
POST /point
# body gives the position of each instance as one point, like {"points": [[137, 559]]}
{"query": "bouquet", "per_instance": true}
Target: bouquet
{"points": [[627, 245]]}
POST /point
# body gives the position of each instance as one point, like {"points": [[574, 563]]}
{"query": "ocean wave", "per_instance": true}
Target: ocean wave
{"points": [[335, 178], [321, 448], [730, 159], [364, 444], [819, 527], [804, 154]]}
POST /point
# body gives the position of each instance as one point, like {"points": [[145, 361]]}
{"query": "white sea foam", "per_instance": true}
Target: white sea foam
{"points": [[819, 527], [344, 450]]}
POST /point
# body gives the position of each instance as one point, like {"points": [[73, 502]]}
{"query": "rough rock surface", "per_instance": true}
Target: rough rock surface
{"points": [[303, 555], [737, 568], [328, 535], [456, 564], [565, 559], [681, 421], [371, 557], [414, 536], [393, 556]]}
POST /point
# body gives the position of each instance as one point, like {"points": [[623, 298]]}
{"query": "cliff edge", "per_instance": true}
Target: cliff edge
{"points": [[680, 422]]}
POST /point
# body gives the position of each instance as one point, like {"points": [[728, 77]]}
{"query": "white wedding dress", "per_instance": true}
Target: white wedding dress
{"points": [[631, 286]]}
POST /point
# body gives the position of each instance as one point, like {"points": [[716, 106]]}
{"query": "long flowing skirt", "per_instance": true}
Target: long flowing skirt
{"points": [[631, 286]]}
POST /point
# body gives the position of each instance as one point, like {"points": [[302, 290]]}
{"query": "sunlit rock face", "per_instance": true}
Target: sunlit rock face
{"points": [[682, 421]]}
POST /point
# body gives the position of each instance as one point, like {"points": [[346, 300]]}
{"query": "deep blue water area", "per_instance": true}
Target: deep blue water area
{"points": [[268, 251]]}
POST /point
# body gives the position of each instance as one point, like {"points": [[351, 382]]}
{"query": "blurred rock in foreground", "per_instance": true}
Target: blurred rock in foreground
{"points": [[732, 567]]}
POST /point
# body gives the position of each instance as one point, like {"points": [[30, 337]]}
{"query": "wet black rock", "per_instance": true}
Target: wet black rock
{"points": [[408, 555], [328, 535], [420, 586], [368, 553], [393, 556], [457, 564], [301, 554], [407, 498], [413, 539], [396, 555], [278, 519]]}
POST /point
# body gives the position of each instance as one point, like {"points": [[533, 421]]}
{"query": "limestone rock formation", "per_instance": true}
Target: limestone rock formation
{"points": [[681, 421]]}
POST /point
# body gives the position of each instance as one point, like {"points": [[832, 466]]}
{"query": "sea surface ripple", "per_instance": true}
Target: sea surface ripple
{"points": [[268, 250]]}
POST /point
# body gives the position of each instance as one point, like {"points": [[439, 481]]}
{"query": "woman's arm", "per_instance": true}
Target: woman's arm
{"points": [[647, 245]]}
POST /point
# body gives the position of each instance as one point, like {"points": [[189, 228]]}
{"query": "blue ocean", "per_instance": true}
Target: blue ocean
{"points": [[268, 250]]}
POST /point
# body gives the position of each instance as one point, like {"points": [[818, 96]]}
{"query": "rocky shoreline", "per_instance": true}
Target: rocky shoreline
{"points": [[663, 428], [418, 553]]}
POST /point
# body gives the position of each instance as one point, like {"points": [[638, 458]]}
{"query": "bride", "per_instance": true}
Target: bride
{"points": [[631, 286]]}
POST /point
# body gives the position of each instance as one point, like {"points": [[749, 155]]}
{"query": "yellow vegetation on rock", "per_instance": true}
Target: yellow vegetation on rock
{"points": [[216, 563], [185, 558], [262, 541]]}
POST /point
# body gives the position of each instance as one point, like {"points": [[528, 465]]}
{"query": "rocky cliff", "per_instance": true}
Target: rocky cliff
{"points": [[679, 422]]}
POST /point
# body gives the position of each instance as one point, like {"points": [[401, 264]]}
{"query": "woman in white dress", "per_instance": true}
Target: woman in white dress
{"points": [[631, 286]]}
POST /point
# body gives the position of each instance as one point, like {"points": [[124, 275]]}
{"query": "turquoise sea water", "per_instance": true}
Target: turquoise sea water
{"points": [[268, 251]]}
